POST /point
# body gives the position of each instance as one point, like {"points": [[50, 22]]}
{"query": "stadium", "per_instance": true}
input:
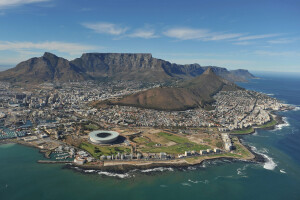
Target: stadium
{"points": [[103, 137]]}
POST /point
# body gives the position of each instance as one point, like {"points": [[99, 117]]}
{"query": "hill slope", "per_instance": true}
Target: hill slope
{"points": [[47, 68], [194, 93]]}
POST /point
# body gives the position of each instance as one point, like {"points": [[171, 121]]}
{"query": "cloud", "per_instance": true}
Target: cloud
{"points": [[63, 47], [199, 34], [107, 28], [143, 33], [12, 3], [186, 33], [255, 37], [281, 53], [282, 41], [243, 43]]}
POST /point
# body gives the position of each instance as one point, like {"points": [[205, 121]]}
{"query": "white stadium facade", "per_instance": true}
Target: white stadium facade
{"points": [[103, 137]]}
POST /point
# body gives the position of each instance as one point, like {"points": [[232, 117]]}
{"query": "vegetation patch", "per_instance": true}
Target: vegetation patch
{"points": [[269, 124], [91, 127], [219, 145], [182, 145], [97, 151], [240, 149], [173, 138], [141, 140], [231, 155], [244, 131], [176, 149]]}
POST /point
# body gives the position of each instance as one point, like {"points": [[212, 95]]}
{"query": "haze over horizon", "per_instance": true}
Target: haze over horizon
{"points": [[254, 35]]}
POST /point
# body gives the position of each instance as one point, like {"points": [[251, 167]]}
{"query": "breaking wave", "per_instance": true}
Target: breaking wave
{"points": [[89, 171], [269, 164], [126, 175], [297, 108], [282, 171], [158, 169], [186, 184], [280, 126]]}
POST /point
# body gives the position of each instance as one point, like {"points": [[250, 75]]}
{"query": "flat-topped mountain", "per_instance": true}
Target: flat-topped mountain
{"points": [[118, 66], [122, 66], [190, 94]]}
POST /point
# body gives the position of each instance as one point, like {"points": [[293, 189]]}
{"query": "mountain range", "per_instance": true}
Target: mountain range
{"points": [[116, 66]]}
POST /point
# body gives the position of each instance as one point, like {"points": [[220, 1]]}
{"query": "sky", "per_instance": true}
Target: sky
{"points": [[257, 35]]}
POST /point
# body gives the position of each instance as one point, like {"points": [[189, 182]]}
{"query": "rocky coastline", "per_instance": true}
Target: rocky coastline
{"points": [[125, 168]]}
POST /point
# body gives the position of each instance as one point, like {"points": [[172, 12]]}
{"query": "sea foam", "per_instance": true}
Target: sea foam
{"points": [[269, 164], [282, 171], [297, 108], [280, 126], [114, 174], [186, 184], [158, 169]]}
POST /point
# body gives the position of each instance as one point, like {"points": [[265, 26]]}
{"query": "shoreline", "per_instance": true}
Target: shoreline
{"points": [[175, 164], [278, 118], [124, 168]]}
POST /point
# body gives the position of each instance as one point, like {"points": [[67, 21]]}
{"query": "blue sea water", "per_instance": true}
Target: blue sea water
{"points": [[279, 178]]}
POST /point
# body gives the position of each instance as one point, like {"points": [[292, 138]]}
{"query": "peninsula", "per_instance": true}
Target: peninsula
{"points": [[124, 111]]}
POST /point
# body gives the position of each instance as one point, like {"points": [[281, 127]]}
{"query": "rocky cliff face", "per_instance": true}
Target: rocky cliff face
{"points": [[119, 66], [122, 66]]}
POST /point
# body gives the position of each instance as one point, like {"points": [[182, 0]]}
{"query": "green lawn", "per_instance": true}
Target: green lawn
{"points": [[91, 127], [243, 131], [97, 151], [214, 156], [173, 138], [141, 140], [269, 124], [182, 145], [241, 150], [176, 149]]}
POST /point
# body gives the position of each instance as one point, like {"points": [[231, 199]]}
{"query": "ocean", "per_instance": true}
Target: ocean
{"points": [[279, 178]]}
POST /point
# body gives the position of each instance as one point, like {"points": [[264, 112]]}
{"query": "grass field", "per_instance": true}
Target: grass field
{"points": [[243, 131], [269, 124], [91, 127], [141, 140], [182, 145], [97, 151], [231, 155], [240, 149]]}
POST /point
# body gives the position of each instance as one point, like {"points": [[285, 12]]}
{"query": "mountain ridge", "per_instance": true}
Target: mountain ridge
{"points": [[118, 66]]}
